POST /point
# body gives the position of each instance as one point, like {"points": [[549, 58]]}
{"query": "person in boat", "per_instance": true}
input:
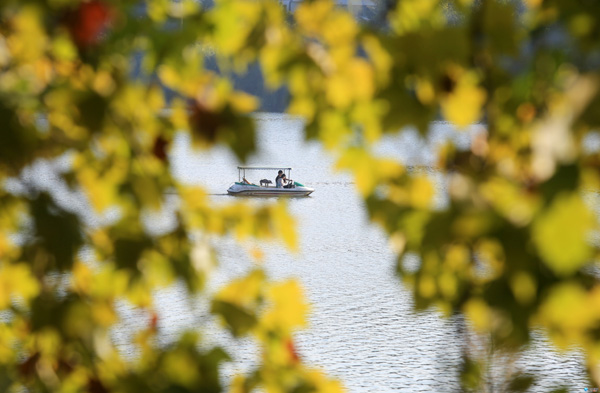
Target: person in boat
{"points": [[288, 183], [279, 179]]}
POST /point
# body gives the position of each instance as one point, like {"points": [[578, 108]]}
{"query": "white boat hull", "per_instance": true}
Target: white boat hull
{"points": [[254, 190]]}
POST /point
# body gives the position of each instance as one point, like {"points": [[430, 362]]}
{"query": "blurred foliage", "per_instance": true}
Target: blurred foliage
{"points": [[514, 248], [85, 82]]}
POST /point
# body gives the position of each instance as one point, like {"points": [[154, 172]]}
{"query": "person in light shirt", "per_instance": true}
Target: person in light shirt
{"points": [[283, 182], [279, 179]]}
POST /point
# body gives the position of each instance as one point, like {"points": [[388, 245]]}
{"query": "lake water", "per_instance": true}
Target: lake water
{"points": [[362, 327]]}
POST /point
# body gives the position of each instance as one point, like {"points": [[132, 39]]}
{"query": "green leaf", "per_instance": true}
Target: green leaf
{"points": [[18, 141], [58, 233], [521, 383], [238, 320], [471, 374]]}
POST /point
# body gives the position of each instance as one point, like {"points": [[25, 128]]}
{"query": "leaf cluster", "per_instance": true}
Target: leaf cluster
{"points": [[106, 85]]}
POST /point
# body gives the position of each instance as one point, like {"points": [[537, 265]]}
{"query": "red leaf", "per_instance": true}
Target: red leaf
{"points": [[154, 321], [204, 122], [87, 23], [292, 350], [160, 148], [27, 368]]}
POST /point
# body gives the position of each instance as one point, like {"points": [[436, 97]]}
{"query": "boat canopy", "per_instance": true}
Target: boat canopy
{"points": [[242, 170], [264, 167]]}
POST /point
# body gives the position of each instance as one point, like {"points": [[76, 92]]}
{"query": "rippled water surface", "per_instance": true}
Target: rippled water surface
{"points": [[362, 327]]}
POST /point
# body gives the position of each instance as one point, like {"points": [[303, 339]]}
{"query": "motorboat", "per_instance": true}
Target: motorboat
{"points": [[267, 187]]}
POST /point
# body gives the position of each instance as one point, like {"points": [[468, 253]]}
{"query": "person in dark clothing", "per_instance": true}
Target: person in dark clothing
{"points": [[279, 179]]}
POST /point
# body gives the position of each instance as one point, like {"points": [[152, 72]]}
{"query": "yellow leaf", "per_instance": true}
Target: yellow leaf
{"points": [[147, 191], [109, 283], [369, 170], [29, 40], [193, 197], [340, 28], [369, 114], [76, 381], [491, 253], [285, 225], [181, 368], [102, 241], [179, 115], [104, 84], [302, 106], [457, 258], [310, 16], [533, 3], [361, 79], [243, 291], [323, 384], [561, 234], [5, 290], [515, 203], [22, 282], [48, 342], [82, 277], [524, 287], [154, 99], [478, 313], [567, 312], [234, 22], [288, 310], [427, 287], [463, 105], [380, 57], [339, 91], [156, 268], [410, 15], [7, 248], [448, 285], [257, 254], [7, 338], [425, 91], [333, 129], [63, 48], [421, 192], [100, 192], [139, 294], [104, 313], [157, 9], [238, 384], [168, 76], [242, 102]]}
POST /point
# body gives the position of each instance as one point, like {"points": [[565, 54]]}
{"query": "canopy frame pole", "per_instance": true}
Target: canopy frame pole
{"points": [[242, 170]]}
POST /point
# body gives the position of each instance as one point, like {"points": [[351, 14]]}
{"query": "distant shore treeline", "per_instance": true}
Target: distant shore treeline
{"points": [[369, 12], [252, 82]]}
